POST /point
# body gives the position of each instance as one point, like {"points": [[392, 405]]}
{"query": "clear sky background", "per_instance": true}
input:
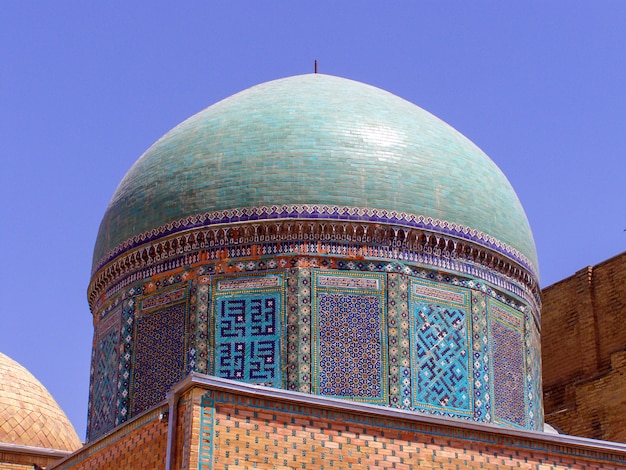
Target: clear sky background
{"points": [[87, 87]]}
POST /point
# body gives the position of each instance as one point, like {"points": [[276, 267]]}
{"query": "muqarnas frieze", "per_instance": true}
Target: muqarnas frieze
{"points": [[347, 240]]}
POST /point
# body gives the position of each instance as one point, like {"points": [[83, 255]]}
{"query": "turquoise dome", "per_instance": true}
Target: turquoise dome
{"points": [[316, 140]]}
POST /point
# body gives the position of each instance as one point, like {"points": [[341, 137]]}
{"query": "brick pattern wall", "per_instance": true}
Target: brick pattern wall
{"points": [[18, 459], [230, 426], [584, 352], [140, 444], [252, 433], [15, 466], [187, 442]]}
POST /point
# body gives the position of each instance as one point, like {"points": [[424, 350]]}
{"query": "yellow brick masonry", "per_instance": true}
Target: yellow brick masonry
{"points": [[15, 466], [138, 444], [250, 426], [584, 352], [272, 441]]}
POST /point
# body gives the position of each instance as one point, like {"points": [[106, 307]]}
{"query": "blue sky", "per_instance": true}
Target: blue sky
{"points": [[86, 87]]}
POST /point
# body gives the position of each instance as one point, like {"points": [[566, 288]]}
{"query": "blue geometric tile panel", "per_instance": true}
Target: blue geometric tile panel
{"points": [[104, 383], [350, 344], [507, 347], [159, 361], [441, 366], [248, 337]]}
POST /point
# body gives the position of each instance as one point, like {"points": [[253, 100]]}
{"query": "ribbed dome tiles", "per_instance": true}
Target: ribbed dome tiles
{"points": [[29, 416]]}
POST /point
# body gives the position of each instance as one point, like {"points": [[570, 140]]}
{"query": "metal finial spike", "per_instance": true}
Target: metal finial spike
{"points": [[315, 65]]}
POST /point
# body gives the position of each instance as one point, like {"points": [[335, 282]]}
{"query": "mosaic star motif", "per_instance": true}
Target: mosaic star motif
{"points": [[442, 362], [350, 345], [508, 373], [159, 357]]}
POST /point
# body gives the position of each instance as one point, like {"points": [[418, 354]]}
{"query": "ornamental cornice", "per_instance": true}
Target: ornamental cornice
{"points": [[288, 237], [319, 212]]}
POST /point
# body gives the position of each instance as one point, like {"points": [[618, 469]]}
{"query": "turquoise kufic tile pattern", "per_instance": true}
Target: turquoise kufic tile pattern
{"points": [[349, 336], [248, 314], [442, 368]]}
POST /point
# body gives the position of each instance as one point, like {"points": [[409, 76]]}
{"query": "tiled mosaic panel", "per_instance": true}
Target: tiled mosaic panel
{"points": [[350, 341], [399, 340], [350, 345], [105, 371], [533, 374], [299, 329], [442, 351], [481, 365], [205, 353], [159, 361], [248, 336], [508, 373], [126, 353], [442, 357]]}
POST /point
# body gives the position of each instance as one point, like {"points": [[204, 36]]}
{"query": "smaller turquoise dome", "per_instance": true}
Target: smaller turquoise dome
{"points": [[317, 140]]}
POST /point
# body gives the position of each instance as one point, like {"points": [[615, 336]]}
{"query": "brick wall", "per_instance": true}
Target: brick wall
{"points": [[224, 425], [267, 434], [16, 457], [584, 352], [139, 444], [15, 466]]}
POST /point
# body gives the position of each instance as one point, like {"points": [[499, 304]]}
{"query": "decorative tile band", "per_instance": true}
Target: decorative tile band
{"points": [[509, 317], [316, 212], [348, 282], [163, 299], [452, 271], [248, 283], [297, 239], [441, 294]]}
